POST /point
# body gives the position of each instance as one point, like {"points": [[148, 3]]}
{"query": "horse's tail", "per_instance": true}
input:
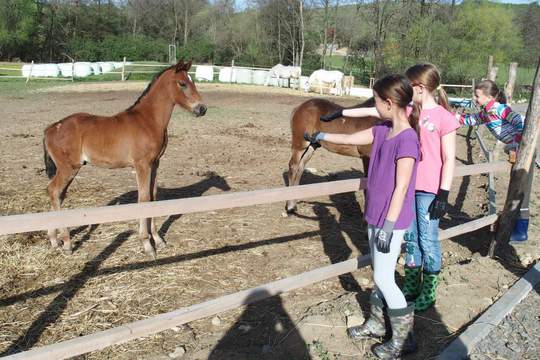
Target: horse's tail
{"points": [[50, 166]]}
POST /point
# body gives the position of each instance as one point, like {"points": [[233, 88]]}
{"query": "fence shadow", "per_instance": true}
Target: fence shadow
{"points": [[146, 264], [197, 189], [263, 331], [57, 306]]}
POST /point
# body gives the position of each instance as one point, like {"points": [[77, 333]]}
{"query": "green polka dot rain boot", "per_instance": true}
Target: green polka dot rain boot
{"points": [[412, 284], [428, 293]]}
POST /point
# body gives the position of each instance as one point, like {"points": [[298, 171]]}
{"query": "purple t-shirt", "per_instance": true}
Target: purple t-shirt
{"points": [[382, 174]]}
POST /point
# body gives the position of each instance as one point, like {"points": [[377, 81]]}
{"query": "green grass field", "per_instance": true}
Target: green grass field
{"points": [[15, 87]]}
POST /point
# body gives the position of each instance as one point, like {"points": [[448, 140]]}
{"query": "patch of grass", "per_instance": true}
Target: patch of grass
{"points": [[319, 350], [336, 61], [19, 87]]}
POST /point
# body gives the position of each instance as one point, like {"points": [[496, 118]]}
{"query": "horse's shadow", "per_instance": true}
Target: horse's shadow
{"points": [[212, 180]]}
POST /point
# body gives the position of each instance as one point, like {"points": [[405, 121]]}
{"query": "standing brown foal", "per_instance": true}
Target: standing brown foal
{"points": [[305, 118], [136, 137]]}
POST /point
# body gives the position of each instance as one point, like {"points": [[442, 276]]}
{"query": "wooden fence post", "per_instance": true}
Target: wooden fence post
{"points": [[232, 71], [490, 65], [493, 73], [509, 88], [30, 72], [124, 70], [72, 70], [519, 176]]}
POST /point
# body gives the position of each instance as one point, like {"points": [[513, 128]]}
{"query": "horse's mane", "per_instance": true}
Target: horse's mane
{"points": [[367, 103], [149, 86]]}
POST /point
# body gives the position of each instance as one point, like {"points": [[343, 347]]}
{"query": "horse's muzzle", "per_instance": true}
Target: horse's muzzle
{"points": [[199, 110]]}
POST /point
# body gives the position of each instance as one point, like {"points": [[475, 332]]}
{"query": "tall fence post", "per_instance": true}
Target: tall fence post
{"points": [[509, 88], [30, 72], [124, 69], [490, 65], [519, 177], [232, 71], [493, 73], [72, 70]]}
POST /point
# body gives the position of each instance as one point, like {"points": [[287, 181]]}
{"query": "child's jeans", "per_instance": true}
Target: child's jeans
{"points": [[423, 247]]}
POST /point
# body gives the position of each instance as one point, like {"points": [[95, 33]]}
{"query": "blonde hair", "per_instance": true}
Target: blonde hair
{"points": [[428, 75]]}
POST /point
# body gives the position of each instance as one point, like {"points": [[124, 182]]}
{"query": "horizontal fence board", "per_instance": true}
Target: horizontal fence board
{"points": [[168, 320], [467, 170], [469, 226], [76, 217], [461, 347], [87, 216]]}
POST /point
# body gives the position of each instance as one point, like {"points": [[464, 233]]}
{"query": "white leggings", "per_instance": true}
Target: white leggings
{"points": [[384, 267]]}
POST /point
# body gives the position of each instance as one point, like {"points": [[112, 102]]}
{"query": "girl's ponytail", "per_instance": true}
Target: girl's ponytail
{"points": [[414, 117], [442, 98], [501, 97], [399, 89]]}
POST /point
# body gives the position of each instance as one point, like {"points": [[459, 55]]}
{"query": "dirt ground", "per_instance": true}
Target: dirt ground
{"points": [[517, 336], [241, 144]]}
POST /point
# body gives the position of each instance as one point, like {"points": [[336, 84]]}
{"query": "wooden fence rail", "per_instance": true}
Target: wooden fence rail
{"points": [[77, 217], [124, 333], [137, 329]]}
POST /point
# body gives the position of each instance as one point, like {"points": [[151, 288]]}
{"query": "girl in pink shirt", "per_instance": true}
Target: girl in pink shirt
{"points": [[434, 178]]}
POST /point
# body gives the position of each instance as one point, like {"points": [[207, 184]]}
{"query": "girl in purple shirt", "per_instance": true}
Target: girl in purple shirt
{"points": [[389, 208]]}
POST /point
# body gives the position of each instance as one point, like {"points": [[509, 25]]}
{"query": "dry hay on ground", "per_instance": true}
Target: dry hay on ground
{"points": [[242, 144]]}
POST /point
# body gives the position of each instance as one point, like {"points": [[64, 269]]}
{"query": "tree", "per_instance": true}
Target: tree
{"points": [[17, 27]]}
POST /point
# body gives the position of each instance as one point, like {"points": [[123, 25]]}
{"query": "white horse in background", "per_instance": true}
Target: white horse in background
{"points": [[320, 79], [283, 72]]}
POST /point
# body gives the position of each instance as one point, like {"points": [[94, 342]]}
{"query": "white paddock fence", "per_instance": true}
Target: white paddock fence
{"points": [[77, 217], [61, 71]]}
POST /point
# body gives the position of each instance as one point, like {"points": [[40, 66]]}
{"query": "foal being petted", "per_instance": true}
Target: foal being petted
{"points": [[136, 137]]}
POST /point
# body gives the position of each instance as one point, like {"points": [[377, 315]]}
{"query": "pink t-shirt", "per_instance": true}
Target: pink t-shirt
{"points": [[434, 124]]}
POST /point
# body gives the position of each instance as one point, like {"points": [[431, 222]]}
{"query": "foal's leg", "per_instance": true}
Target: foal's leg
{"points": [[57, 190], [296, 168], [158, 240], [143, 171]]}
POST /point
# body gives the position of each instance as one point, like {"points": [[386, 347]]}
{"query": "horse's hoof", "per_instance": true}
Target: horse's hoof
{"points": [[56, 244], [290, 211], [150, 251], [67, 251], [160, 244], [152, 254]]}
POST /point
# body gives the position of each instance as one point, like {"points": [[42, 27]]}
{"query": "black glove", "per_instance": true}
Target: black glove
{"points": [[439, 205], [332, 116], [384, 237], [314, 138]]}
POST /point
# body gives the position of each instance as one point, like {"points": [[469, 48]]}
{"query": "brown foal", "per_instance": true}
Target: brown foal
{"points": [[136, 137], [305, 118]]}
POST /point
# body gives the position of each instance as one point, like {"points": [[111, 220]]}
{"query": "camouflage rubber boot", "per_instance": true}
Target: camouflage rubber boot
{"points": [[374, 325], [413, 283], [428, 294], [402, 341]]}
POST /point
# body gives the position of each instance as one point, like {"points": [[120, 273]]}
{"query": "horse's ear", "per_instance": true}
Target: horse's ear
{"points": [[180, 66]]}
